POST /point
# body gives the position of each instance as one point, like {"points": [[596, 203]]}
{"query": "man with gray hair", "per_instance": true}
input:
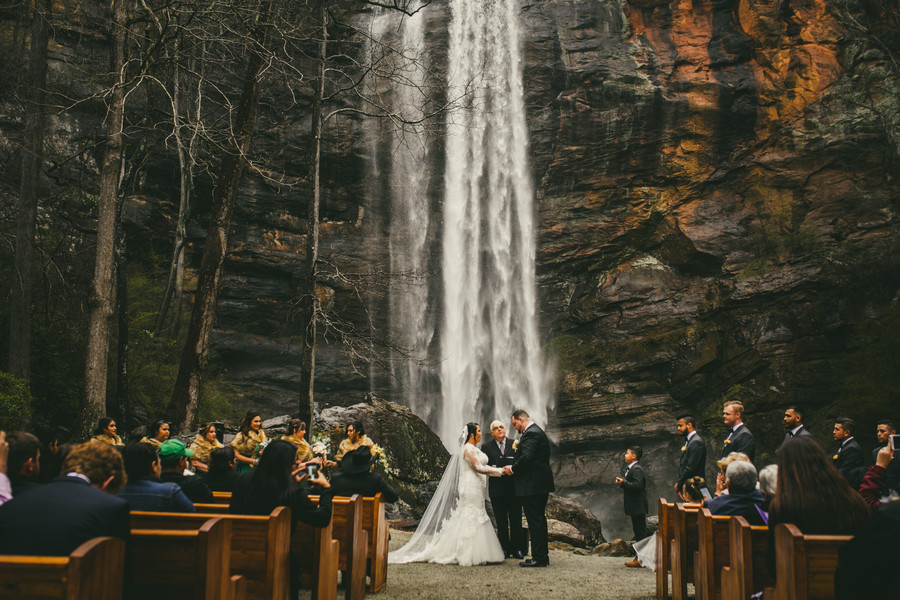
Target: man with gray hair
{"points": [[502, 491], [742, 498]]}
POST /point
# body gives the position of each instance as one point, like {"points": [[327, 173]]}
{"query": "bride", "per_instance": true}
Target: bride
{"points": [[455, 528]]}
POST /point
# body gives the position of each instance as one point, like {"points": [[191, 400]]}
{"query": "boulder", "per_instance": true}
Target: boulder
{"points": [[569, 511], [613, 548], [565, 534]]}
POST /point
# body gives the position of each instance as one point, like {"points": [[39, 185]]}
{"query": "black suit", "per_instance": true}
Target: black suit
{"points": [[635, 491], [533, 479], [55, 518], [802, 432], [849, 458], [740, 441], [893, 470], [693, 460], [502, 490], [364, 484]]}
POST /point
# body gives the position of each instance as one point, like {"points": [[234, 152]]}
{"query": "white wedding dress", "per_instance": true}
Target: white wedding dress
{"points": [[456, 528]]}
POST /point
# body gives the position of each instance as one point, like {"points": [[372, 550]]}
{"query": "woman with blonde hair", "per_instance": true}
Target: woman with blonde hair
{"points": [[203, 445], [246, 443]]}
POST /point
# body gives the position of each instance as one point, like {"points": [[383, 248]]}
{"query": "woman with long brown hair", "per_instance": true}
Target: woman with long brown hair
{"points": [[811, 494]]}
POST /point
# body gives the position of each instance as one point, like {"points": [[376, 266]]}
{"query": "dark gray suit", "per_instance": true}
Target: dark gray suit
{"points": [[848, 458], [802, 432], [635, 491], [502, 490], [533, 479], [740, 441], [693, 460]]}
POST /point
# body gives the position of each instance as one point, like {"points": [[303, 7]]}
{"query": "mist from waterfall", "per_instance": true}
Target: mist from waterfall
{"points": [[490, 360]]}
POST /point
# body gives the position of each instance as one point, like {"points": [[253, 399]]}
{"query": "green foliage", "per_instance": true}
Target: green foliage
{"points": [[868, 385], [15, 403]]}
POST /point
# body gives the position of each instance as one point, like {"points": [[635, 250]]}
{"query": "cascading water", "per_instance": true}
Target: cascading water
{"points": [[492, 360], [490, 356]]}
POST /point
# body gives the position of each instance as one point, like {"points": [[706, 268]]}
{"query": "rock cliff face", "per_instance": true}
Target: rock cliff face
{"points": [[717, 203]]}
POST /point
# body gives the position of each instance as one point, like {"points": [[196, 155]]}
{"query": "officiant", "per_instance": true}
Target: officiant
{"points": [[502, 491]]}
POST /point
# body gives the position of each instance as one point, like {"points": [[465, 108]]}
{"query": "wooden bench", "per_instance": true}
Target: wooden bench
{"points": [[746, 572], [319, 574], [713, 541], [804, 564], [374, 524], [222, 498], [665, 533], [346, 518], [683, 548], [194, 564], [93, 571], [259, 546]]}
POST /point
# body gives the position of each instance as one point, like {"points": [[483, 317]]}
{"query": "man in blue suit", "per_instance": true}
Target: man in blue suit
{"points": [[54, 519], [534, 481]]}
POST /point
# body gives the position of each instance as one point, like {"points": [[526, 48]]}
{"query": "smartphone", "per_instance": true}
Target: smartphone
{"points": [[706, 494], [312, 471], [894, 442]]}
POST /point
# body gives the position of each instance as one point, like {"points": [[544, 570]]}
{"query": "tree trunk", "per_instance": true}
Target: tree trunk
{"points": [[120, 408], [308, 299], [102, 284], [32, 157], [182, 408]]}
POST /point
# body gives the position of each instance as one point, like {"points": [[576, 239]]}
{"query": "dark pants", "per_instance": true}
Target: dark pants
{"points": [[508, 513], [639, 523], [535, 508]]}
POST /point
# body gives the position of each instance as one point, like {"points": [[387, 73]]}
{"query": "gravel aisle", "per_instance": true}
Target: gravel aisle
{"points": [[569, 577]]}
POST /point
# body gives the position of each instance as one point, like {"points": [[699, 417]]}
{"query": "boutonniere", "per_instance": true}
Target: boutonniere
{"points": [[515, 445], [684, 448], [727, 441], [835, 457]]}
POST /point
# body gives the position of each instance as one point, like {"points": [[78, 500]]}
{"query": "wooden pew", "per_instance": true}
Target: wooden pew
{"points": [[222, 498], [804, 564], [193, 564], [93, 571], [683, 548], [320, 573], [210, 509], [713, 537], [665, 534], [374, 524], [346, 517], [746, 572], [259, 546]]}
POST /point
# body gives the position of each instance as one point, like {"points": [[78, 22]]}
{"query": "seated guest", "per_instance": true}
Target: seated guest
{"points": [[866, 563], [144, 490], [5, 487], [768, 482], [247, 441], [276, 482], [812, 495], [23, 464], [205, 442], [296, 430], [723, 463], [691, 490], [356, 437], [356, 477], [159, 432], [875, 487], [49, 458], [106, 432], [56, 518], [221, 475], [174, 458], [742, 499]]}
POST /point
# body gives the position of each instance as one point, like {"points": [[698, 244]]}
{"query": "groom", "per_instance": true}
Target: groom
{"points": [[534, 482]]}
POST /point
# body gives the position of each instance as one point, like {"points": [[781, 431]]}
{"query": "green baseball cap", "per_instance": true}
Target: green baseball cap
{"points": [[174, 448]]}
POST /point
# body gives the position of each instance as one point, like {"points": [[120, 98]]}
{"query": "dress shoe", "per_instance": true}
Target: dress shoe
{"points": [[518, 554], [534, 563], [634, 562]]}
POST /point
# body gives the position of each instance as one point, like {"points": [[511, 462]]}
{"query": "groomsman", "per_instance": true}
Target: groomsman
{"points": [[793, 423], [502, 490], [534, 481], [693, 453], [884, 429], [634, 488], [849, 456], [739, 439]]}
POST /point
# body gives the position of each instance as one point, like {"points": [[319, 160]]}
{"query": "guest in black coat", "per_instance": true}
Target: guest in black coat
{"points": [[867, 564], [739, 438], [793, 423], [356, 477], [221, 475], [634, 488], [502, 491], [742, 499], [23, 462], [848, 459], [174, 455], [55, 518], [693, 453], [533, 479]]}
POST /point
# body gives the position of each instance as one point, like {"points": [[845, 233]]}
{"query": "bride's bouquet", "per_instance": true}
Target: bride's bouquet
{"points": [[321, 444], [381, 461]]}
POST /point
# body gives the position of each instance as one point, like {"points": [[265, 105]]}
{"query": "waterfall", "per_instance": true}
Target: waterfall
{"points": [[490, 360]]}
